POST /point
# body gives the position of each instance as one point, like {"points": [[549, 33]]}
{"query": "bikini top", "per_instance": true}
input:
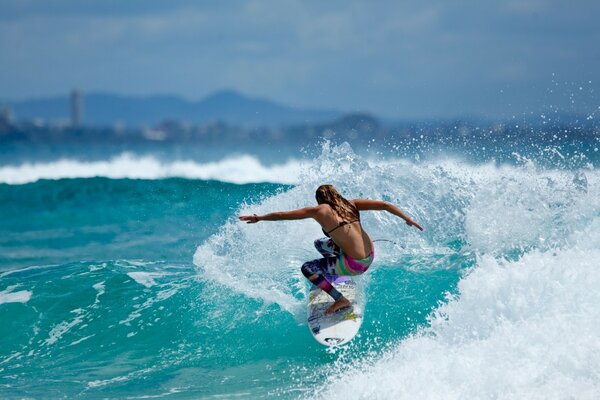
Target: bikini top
{"points": [[342, 223]]}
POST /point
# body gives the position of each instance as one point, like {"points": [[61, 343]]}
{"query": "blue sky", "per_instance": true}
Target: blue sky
{"points": [[406, 59]]}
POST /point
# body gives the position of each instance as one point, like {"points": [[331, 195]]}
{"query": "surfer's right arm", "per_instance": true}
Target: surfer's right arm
{"points": [[301, 213], [378, 205]]}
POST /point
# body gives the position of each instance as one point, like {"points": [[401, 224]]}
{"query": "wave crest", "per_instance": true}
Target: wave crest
{"points": [[240, 169]]}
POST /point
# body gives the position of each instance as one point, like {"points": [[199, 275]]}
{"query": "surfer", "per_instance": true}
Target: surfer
{"points": [[347, 249]]}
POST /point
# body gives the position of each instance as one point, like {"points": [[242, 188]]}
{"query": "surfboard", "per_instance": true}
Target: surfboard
{"points": [[340, 327]]}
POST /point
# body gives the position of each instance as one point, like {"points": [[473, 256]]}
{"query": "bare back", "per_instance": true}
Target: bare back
{"points": [[351, 238]]}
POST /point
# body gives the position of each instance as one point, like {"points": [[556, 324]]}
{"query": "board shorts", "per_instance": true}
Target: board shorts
{"points": [[333, 263]]}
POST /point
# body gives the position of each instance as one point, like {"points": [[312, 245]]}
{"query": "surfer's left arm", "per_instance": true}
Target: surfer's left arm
{"points": [[377, 205], [301, 213]]}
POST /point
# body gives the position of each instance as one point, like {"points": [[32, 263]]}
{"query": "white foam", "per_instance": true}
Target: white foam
{"points": [[520, 208], [9, 296], [122, 378], [240, 169], [145, 278], [168, 291], [524, 329], [58, 330], [83, 339], [452, 199], [100, 290], [263, 260]]}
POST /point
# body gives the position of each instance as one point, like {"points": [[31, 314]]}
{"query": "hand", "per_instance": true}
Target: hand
{"points": [[250, 219], [410, 222]]}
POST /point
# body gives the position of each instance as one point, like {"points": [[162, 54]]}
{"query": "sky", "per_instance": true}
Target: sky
{"points": [[403, 59]]}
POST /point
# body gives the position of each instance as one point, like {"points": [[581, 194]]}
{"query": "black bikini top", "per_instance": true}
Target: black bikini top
{"points": [[339, 226]]}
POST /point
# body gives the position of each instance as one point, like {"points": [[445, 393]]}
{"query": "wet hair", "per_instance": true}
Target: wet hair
{"points": [[327, 194]]}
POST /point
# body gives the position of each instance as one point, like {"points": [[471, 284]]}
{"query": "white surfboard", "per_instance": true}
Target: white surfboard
{"points": [[340, 327]]}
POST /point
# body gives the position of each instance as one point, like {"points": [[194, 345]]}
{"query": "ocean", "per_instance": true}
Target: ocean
{"points": [[127, 275]]}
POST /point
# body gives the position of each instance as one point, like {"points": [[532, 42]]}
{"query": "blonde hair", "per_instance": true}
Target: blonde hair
{"points": [[327, 194]]}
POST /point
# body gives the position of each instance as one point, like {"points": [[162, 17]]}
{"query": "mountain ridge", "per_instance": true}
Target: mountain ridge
{"points": [[107, 109]]}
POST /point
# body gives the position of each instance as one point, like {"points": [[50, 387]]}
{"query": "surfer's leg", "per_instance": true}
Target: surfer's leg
{"points": [[316, 270], [327, 247]]}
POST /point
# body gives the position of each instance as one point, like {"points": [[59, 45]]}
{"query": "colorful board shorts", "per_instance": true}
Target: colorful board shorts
{"points": [[333, 263]]}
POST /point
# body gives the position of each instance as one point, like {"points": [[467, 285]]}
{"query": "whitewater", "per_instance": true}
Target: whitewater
{"points": [[239, 169], [523, 321], [496, 299]]}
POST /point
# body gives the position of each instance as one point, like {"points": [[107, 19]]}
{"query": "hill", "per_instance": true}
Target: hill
{"points": [[106, 109]]}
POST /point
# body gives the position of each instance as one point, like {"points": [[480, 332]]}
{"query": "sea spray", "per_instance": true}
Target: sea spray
{"points": [[262, 260], [523, 322], [473, 305], [515, 329]]}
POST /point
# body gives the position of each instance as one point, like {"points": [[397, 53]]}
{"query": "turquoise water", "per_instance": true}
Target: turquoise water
{"points": [[134, 288]]}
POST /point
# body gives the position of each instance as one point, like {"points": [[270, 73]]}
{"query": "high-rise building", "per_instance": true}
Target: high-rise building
{"points": [[6, 114], [5, 119], [76, 108]]}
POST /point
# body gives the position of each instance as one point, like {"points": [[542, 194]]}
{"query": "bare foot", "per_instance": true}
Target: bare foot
{"points": [[340, 303]]}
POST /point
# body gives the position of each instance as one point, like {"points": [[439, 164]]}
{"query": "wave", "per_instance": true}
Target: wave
{"points": [[522, 322], [239, 169], [524, 319], [263, 261], [486, 209], [517, 329]]}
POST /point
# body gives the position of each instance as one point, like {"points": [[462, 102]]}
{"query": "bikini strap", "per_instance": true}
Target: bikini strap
{"points": [[342, 223]]}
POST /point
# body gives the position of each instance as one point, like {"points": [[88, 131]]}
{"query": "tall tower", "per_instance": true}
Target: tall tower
{"points": [[6, 114], [76, 108], [5, 119]]}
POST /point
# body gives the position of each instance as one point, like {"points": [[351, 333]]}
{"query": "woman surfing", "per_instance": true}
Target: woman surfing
{"points": [[347, 249]]}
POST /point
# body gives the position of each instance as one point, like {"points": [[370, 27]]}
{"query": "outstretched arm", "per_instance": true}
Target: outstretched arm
{"points": [[365, 205], [302, 213]]}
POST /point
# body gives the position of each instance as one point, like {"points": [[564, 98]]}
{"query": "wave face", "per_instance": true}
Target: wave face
{"points": [[523, 320], [272, 274], [239, 169], [520, 322], [497, 298], [515, 329], [69, 220]]}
